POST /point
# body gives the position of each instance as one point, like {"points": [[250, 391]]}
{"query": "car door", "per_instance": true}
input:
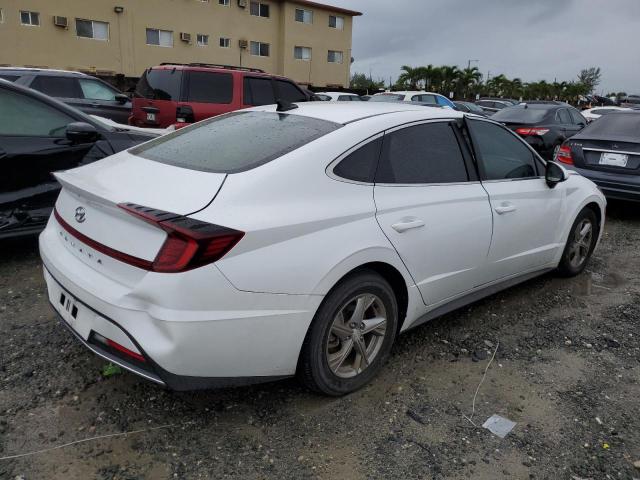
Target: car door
{"points": [[578, 120], [563, 118], [433, 209], [100, 99], [207, 94], [32, 145], [525, 210]]}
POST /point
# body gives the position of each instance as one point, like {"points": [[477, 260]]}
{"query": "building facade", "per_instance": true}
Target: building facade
{"points": [[303, 40]]}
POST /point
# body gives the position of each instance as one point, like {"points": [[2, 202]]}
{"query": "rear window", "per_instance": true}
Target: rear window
{"points": [[518, 114], [10, 78], [386, 98], [61, 87], [209, 87], [625, 126], [160, 84], [235, 142]]}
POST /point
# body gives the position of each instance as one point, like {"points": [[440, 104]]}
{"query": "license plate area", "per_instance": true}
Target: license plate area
{"points": [[151, 117], [68, 307], [614, 159]]}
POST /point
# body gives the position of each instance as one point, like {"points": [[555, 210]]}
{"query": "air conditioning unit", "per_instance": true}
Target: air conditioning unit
{"points": [[242, 3], [60, 21], [185, 37], [243, 43]]}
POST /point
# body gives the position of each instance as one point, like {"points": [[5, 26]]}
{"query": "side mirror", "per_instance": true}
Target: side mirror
{"points": [[554, 174], [121, 98], [81, 132]]}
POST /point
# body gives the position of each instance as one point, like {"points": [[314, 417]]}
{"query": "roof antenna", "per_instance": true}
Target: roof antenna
{"points": [[285, 106]]}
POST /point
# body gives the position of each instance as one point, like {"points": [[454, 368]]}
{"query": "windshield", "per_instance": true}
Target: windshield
{"points": [[387, 97], [624, 126], [520, 114], [160, 84], [235, 142]]}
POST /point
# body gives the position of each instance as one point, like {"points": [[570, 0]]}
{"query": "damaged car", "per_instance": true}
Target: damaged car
{"points": [[40, 135]]}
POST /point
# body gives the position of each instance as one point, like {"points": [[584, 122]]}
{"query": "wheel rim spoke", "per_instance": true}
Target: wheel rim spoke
{"points": [[377, 326], [362, 357], [362, 305], [336, 360]]}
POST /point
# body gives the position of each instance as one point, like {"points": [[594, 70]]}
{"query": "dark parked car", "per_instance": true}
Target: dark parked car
{"points": [[84, 92], [177, 94], [469, 107], [544, 126], [608, 153], [39, 135], [492, 106]]}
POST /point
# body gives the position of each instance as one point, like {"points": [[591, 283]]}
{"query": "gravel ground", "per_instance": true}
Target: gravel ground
{"points": [[566, 370]]}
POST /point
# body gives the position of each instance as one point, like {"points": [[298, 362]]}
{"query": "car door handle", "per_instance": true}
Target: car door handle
{"points": [[505, 208], [407, 224]]}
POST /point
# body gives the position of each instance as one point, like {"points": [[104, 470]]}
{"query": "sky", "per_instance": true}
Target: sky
{"points": [[529, 39]]}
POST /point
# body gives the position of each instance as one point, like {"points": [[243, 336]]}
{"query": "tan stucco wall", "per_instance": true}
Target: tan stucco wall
{"points": [[126, 50]]}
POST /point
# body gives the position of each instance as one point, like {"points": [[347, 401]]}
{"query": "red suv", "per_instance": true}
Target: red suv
{"points": [[177, 94]]}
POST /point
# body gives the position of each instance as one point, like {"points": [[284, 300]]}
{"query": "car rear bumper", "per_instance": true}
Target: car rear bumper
{"points": [[612, 185], [241, 338]]}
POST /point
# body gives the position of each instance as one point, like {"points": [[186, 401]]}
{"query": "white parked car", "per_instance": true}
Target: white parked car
{"points": [[414, 96], [211, 257], [339, 97], [595, 113]]}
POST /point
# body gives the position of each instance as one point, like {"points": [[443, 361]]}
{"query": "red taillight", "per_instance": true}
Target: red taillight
{"points": [[125, 350], [564, 155], [190, 243], [538, 132]]}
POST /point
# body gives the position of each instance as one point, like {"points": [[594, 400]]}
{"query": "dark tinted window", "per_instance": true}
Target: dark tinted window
{"points": [[235, 142], [160, 84], [622, 126], [258, 91], [22, 115], [502, 155], [288, 91], [11, 78], [426, 153], [361, 164], [521, 114], [562, 116], [577, 117], [63, 87], [209, 87]]}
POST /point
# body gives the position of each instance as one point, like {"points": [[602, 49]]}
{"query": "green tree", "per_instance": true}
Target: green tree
{"points": [[590, 77], [359, 81]]}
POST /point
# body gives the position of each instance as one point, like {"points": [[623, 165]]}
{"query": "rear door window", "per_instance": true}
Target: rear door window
{"points": [[22, 115], [235, 142], [577, 117], [209, 87], [10, 78], [427, 153], [562, 116], [258, 91], [160, 84], [289, 92], [95, 90], [60, 87]]}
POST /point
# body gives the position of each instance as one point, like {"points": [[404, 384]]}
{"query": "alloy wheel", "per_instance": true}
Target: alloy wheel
{"points": [[581, 243], [356, 336]]}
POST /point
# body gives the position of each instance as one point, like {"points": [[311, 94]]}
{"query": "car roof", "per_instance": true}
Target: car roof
{"points": [[339, 93], [204, 67], [349, 112], [41, 71]]}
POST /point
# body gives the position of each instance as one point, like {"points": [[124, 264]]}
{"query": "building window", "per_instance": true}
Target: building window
{"points": [[334, 56], [162, 38], [202, 40], [302, 53], [92, 29], [1, 16], [225, 42], [260, 49], [29, 18], [336, 22], [304, 16], [260, 9], [224, 3]]}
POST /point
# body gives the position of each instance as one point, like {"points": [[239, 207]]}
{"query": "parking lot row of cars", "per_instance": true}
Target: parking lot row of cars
{"points": [[150, 255]]}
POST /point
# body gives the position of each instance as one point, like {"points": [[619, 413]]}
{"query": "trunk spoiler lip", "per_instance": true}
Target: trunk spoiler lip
{"points": [[76, 185]]}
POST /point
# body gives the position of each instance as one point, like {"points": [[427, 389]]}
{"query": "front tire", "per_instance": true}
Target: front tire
{"points": [[351, 335], [580, 244]]}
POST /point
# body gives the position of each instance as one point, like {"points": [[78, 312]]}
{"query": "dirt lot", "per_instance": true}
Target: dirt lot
{"points": [[567, 370]]}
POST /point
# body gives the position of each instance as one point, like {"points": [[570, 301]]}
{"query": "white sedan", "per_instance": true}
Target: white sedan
{"points": [[595, 113], [339, 97], [262, 244]]}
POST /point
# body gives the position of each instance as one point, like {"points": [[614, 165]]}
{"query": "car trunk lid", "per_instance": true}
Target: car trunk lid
{"points": [[607, 156]]}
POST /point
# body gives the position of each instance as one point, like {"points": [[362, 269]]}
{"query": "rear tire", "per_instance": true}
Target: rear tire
{"points": [[359, 315], [580, 244]]}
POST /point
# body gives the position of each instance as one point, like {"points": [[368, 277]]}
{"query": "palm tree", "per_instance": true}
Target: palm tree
{"points": [[409, 77], [468, 81], [449, 80]]}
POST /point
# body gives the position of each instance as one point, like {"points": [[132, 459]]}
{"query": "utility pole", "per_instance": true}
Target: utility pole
{"points": [[469, 63]]}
